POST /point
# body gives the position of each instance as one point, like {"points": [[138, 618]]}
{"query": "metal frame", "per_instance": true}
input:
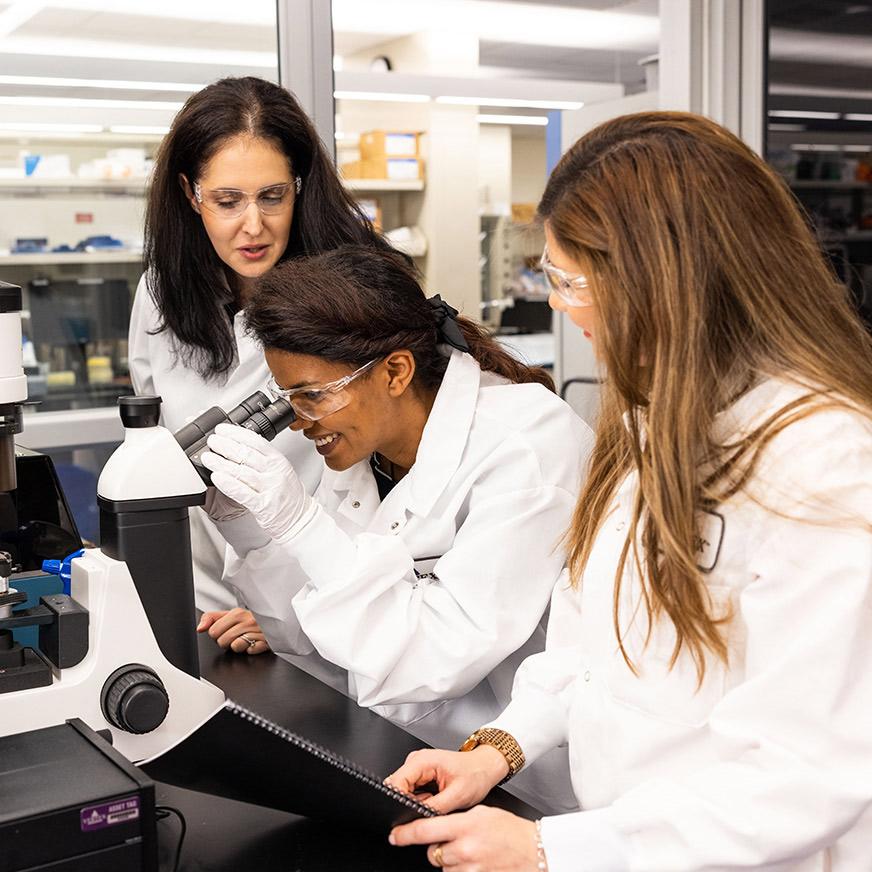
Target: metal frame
{"points": [[713, 61], [305, 49]]}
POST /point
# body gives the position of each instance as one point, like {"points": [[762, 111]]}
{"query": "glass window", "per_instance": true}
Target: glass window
{"points": [[87, 92], [445, 111], [820, 126]]}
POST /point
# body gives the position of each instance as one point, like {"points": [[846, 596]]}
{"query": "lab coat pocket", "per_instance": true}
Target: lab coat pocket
{"points": [[668, 693]]}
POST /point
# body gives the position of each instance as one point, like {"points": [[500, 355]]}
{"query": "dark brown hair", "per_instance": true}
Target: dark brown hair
{"points": [[184, 274], [354, 304], [707, 280]]}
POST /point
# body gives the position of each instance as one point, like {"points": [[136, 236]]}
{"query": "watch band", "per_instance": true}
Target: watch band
{"points": [[504, 743]]}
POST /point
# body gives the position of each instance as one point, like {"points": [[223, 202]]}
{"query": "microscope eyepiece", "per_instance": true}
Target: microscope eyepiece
{"points": [[255, 413]]}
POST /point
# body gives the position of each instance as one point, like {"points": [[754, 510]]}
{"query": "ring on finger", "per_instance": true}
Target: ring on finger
{"points": [[437, 856], [251, 642]]}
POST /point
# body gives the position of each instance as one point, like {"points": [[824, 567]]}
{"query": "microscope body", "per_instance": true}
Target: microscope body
{"points": [[120, 651], [138, 676]]}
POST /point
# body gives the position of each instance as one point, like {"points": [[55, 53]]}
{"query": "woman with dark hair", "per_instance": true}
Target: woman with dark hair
{"points": [[424, 563], [241, 182], [709, 664]]}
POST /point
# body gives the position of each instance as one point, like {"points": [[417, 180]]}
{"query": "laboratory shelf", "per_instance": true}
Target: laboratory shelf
{"points": [[76, 184], [384, 184], [70, 257], [800, 184]]}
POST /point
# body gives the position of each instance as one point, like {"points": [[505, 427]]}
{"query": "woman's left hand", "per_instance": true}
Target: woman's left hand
{"points": [[246, 468], [473, 841], [236, 629]]}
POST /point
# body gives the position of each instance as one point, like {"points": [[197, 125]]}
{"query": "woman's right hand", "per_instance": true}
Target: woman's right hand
{"points": [[236, 629], [463, 778]]}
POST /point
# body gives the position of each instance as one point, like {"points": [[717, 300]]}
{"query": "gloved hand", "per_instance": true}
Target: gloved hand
{"points": [[246, 468], [220, 507]]}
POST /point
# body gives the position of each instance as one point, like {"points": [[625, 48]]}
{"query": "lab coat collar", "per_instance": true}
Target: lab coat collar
{"points": [[445, 433], [743, 415], [442, 441]]}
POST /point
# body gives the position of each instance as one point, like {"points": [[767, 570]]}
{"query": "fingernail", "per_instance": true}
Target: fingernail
{"points": [[391, 839]]}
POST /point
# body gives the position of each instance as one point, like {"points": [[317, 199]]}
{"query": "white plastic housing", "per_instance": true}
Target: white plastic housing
{"points": [[119, 634], [147, 465]]}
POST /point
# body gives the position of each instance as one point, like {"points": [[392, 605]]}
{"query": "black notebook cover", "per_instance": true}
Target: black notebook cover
{"points": [[240, 755]]}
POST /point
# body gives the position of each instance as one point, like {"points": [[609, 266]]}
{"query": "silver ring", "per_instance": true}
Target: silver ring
{"points": [[251, 642]]}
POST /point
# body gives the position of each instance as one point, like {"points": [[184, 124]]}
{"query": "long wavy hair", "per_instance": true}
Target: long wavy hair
{"points": [[707, 279], [189, 282], [353, 303]]}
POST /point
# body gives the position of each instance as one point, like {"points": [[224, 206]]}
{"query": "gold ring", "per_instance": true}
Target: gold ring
{"points": [[437, 856], [251, 642]]}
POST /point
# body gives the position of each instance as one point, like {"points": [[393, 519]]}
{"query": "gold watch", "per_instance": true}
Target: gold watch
{"points": [[504, 743]]}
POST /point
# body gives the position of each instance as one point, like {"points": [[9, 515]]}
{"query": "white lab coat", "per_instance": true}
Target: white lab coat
{"points": [[185, 393], [769, 764], [428, 601]]}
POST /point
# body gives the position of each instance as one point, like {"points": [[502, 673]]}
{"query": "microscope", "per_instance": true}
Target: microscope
{"points": [[119, 651]]}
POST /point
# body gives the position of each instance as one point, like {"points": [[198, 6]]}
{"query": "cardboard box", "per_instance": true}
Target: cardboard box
{"points": [[523, 213], [389, 143], [393, 168]]}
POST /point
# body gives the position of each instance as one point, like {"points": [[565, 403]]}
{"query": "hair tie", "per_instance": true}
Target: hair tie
{"points": [[446, 323]]}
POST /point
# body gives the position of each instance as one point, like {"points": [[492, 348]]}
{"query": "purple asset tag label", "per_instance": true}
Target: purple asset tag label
{"points": [[97, 817]]}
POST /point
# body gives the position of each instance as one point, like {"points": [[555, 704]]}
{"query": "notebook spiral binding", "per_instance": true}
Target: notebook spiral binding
{"points": [[334, 760]]}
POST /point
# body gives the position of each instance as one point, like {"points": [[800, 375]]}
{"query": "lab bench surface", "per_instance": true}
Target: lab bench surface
{"points": [[226, 836]]}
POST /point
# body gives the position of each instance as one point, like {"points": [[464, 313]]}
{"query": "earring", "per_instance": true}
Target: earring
{"points": [[298, 184]]}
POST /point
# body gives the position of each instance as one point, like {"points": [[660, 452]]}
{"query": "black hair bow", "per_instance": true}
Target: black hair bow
{"points": [[446, 323]]}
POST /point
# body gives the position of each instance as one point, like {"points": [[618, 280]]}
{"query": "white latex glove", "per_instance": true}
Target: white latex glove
{"points": [[220, 507], [246, 468]]}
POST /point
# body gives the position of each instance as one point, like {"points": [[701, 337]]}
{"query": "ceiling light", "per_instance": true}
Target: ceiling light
{"points": [[385, 96], [802, 113], [147, 129], [78, 48], [858, 116], [814, 146], [119, 84], [88, 103], [228, 11], [862, 149], [500, 22], [511, 102], [17, 14], [537, 120], [49, 127]]}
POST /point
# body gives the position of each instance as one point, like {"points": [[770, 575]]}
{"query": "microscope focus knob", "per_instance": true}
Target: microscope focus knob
{"points": [[134, 699]]}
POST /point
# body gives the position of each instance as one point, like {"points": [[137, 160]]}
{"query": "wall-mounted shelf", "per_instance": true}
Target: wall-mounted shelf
{"points": [[49, 258], [384, 184], [139, 185], [800, 184], [30, 184]]}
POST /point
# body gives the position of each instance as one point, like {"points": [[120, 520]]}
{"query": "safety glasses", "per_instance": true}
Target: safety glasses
{"points": [[314, 402], [231, 202], [574, 290]]}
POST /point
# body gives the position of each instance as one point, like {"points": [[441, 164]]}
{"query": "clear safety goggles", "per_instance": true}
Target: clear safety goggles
{"points": [[574, 290], [314, 402], [231, 202]]}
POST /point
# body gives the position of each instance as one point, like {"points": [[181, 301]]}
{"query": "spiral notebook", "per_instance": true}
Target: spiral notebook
{"points": [[240, 755]]}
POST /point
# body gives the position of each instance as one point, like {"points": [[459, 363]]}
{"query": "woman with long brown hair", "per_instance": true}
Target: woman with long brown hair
{"points": [[416, 577], [708, 661]]}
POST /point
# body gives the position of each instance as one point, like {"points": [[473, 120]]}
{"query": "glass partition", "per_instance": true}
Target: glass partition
{"points": [[87, 91], [820, 126]]}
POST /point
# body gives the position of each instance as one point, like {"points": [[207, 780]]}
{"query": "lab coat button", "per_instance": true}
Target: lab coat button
{"points": [[355, 504], [587, 675], [620, 526], [395, 525]]}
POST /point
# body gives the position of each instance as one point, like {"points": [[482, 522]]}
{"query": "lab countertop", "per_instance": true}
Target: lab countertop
{"points": [[226, 836]]}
